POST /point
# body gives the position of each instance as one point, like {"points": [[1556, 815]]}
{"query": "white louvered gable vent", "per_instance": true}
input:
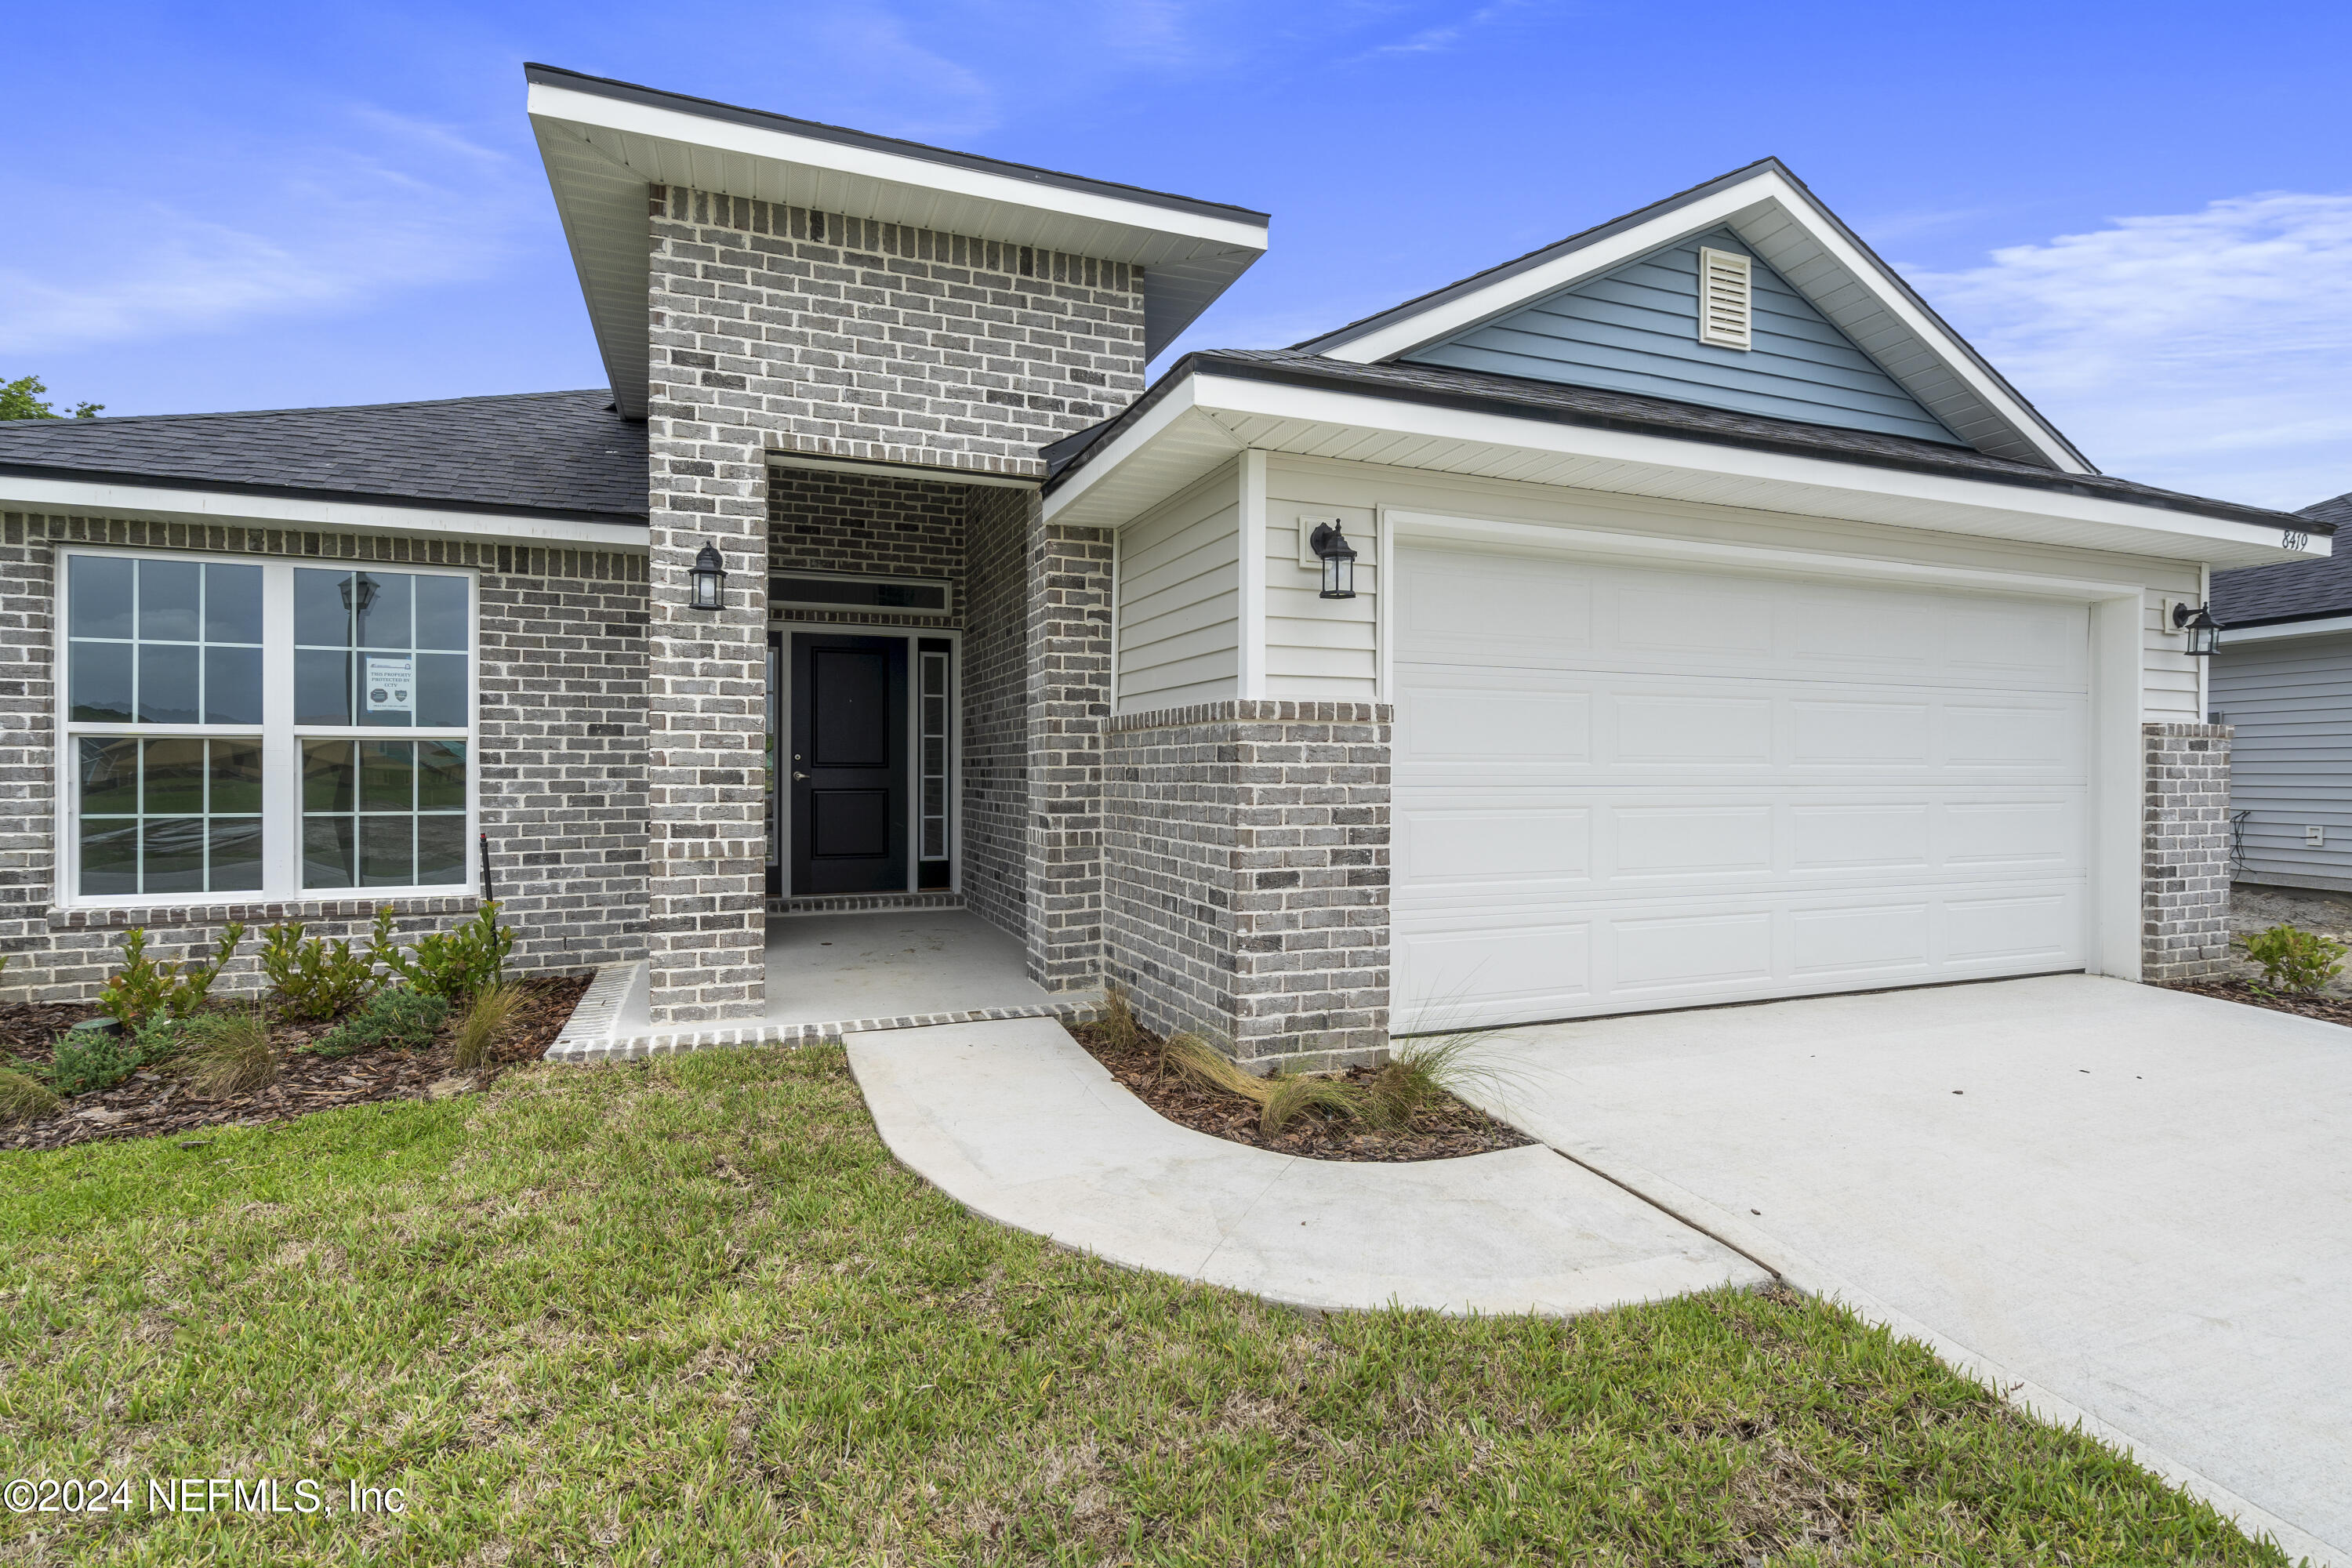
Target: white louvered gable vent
{"points": [[1724, 299]]}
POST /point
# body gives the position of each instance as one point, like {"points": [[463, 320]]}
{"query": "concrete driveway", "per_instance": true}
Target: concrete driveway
{"points": [[2135, 1203]]}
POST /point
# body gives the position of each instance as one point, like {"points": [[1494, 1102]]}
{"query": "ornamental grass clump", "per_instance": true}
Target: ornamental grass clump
{"points": [[228, 1053], [485, 1021], [23, 1097], [2296, 960], [1281, 1098]]}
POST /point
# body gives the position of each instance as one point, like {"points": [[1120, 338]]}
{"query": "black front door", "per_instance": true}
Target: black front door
{"points": [[848, 766]]}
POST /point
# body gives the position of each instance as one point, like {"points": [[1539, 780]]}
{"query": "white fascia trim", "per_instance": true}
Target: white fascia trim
{"points": [[1713, 211], [1748, 558], [1272, 400], [548, 102], [79, 498], [1181, 401], [2327, 626]]}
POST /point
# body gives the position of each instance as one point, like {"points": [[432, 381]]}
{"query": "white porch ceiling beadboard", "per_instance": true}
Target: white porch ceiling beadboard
{"points": [[1197, 427], [602, 153], [1625, 787]]}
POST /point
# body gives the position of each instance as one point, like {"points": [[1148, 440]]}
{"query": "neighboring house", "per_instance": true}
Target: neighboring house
{"points": [[1722, 626], [2283, 683]]}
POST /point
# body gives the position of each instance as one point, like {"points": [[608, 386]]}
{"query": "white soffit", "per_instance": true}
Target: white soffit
{"points": [[1781, 222], [603, 143], [1204, 420]]}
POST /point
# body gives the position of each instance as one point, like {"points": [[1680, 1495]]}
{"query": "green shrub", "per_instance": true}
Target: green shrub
{"points": [[2294, 959], [452, 964], [85, 1059], [228, 1053], [314, 978], [23, 1097], [143, 988], [399, 1015]]}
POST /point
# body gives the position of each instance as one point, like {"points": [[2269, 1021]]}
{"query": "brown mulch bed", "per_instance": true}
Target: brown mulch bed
{"points": [[154, 1101], [1442, 1132], [2330, 1009]]}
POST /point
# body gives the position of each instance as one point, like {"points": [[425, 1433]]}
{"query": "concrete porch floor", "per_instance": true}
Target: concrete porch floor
{"points": [[828, 973]]}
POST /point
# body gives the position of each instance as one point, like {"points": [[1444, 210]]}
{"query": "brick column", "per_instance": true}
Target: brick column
{"points": [[2185, 852], [1245, 869], [1068, 700], [706, 928]]}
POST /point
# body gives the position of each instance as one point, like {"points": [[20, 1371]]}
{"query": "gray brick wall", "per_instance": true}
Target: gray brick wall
{"points": [[1068, 699], [559, 759], [1246, 874], [995, 758], [850, 338], [2185, 852], [873, 525]]}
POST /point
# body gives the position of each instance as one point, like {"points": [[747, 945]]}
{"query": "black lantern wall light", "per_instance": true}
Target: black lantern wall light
{"points": [[709, 578], [1339, 558], [2198, 626]]}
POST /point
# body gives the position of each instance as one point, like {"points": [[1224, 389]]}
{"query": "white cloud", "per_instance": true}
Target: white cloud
{"points": [[405, 204], [1442, 38], [2206, 351]]}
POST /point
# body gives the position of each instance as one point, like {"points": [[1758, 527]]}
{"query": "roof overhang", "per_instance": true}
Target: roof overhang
{"points": [[1770, 209], [2276, 631], [1203, 419], [605, 141], [290, 509]]}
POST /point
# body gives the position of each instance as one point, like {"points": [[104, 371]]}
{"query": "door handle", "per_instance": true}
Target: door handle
{"points": [[797, 774]]}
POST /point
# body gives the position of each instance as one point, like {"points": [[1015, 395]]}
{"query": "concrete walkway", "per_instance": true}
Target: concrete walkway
{"points": [[2135, 1202], [829, 975], [1016, 1122]]}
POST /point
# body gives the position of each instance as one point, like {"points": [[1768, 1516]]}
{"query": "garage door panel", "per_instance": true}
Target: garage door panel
{"points": [[1461, 606], [1845, 837], [1858, 939], [1685, 728], [1484, 846], [1650, 842], [1702, 787]]}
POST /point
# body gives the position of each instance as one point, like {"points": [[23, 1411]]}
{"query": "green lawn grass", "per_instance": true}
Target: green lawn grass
{"points": [[691, 1312]]}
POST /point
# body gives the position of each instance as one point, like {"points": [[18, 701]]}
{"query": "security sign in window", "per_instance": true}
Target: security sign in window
{"points": [[390, 684]]}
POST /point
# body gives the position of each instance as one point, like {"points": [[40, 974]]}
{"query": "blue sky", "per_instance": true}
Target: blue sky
{"points": [[2142, 213]]}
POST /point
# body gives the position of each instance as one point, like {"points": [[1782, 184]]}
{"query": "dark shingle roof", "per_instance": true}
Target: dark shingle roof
{"points": [[1487, 393], [538, 454], [2291, 590]]}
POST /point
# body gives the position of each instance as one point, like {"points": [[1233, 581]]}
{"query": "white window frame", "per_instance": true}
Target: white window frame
{"points": [[281, 740]]}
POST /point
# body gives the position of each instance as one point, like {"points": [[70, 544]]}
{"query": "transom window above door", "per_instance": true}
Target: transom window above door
{"points": [[263, 728]]}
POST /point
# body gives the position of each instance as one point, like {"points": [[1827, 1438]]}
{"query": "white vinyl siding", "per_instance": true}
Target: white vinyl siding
{"points": [[1297, 667], [1178, 591], [1318, 648], [2290, 702]]}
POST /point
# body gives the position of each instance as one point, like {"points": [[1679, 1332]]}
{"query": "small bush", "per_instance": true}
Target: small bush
{"points": [[23, 1097], [485, 1021], [85, 1059], [228, 1053], [142, 989], [399, 1016], [452, 964], [2294, 959], [314, 978]]}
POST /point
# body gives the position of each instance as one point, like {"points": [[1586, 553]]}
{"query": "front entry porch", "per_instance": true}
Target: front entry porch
{"points": [[832, 973]]}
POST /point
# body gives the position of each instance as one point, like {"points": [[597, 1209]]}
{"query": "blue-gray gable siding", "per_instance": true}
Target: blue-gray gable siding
{"points": [[1637, 329], [2290, 702]]}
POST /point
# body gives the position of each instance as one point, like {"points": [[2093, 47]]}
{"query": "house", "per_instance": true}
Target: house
{"points": [[1679, 613], [2283, 683]]}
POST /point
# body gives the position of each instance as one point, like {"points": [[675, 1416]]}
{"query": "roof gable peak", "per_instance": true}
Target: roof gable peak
{"points": [[1779, 221]]}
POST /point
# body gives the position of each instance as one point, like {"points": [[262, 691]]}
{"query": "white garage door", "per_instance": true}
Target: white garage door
{"points": [[1620, 787]]}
